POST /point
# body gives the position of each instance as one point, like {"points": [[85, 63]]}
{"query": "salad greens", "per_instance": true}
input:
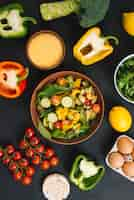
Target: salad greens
{"points": [[66, 108], [125, 79], [89, 12]]}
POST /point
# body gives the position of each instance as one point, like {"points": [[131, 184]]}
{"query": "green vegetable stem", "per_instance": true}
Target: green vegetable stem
{"points": [[89, 12]]}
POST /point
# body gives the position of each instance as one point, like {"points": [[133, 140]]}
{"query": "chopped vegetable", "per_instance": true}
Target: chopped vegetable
{"points": [[45, 102], [52, 117], [67, 109], [12, 24], [89, 12], [67, 102], [85, 173]]}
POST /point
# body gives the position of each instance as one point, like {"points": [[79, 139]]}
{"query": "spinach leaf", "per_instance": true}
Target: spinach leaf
{"points": [[57, 133], [51, 90], [43, 113]]}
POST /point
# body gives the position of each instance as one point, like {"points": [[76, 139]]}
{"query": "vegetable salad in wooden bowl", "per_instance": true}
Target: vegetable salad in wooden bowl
{"points": [[67, 107]]}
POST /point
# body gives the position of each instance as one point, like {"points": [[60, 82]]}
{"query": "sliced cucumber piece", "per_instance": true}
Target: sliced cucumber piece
{"points": [[45, 102], [45, 122], [52, 117], [67, 102], [50, 125]]}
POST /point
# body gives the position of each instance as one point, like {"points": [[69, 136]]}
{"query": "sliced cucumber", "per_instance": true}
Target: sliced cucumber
{"points": [[50, 125], [45, 102], [52, 117], [67, 102], [45, 122]]}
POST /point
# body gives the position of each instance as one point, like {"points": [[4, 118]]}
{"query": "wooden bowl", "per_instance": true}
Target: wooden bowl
{"points": [[94, 125]]}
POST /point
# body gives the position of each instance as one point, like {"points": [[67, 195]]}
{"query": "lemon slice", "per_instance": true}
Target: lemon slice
{"points": [[128, 22]]}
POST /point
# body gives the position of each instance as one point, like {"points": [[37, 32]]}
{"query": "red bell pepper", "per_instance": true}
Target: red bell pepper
{"points": [[12, 79]]}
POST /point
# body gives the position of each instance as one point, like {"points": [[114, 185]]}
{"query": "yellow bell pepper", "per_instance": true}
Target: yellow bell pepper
{"points": [[75, 92], [62, 113], [77, 83], [92, 47]]}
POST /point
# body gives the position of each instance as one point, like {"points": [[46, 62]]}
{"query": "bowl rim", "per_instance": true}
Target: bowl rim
{"points": [[75, 73], [57, 35], [115, 77]]}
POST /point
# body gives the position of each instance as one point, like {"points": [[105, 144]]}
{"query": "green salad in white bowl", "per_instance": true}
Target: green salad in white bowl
{"points": [[124, 78]]}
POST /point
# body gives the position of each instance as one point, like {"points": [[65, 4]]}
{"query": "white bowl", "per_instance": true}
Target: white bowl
{"points": [[115, 75]]}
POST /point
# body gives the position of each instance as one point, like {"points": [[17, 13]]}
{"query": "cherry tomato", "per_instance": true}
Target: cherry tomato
{"points": [[1, 153], [49, 152], [87, 102], [96, 108], [26, 180], [17, 155], [17, 175], [29, 153], [45, 165], [55, 100], [61, 81], [10, 149], [58, 125], [34, 141], [40, 148], [66, 122], [36, 160], [29, 132], [24, 162], [30, 171], [6, 161], [12, 166], [23, 144], [54, 161]]}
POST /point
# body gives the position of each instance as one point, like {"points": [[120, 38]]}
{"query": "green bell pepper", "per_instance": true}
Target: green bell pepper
{"points": [[85, 174], [12, 24]]}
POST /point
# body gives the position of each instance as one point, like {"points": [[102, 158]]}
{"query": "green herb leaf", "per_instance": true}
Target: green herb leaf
{"points": [[51, 90]]}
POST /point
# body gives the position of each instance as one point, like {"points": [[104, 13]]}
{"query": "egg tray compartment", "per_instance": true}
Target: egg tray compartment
{"points": [[127, 158]]}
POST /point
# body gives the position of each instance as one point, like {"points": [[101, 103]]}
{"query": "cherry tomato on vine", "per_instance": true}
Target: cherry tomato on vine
{"points": [[12, 166], [1, 153], [24, 162], [36, 160], [45, 165], [17, 155], [26, 180], [17, 175], [34, 141], [54, 161], [40, 148], [49, 152], [29, 153], [23, 144], [29, 132], [6, 161], [10, 149], [30, 171]]}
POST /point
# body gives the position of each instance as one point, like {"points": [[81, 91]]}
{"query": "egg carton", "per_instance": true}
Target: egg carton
{"points": [[126, 158]]}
